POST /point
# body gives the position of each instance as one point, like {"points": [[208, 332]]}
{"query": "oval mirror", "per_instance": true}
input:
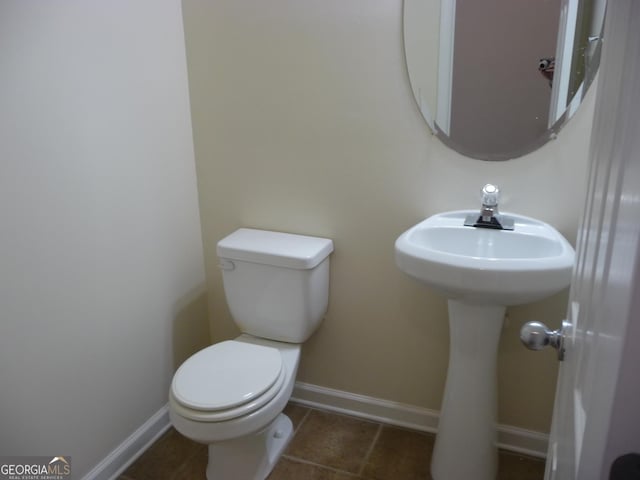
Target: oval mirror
{"points": [[496, 79]]}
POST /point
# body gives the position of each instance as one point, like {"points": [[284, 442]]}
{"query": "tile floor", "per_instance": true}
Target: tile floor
{"points": [[326, 446]]}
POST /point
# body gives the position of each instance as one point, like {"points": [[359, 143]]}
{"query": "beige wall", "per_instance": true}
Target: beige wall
{"points": [[101, 268], [304, 121]]}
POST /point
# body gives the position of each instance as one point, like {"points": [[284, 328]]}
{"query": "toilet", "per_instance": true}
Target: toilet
{"points": [[231, 395]]}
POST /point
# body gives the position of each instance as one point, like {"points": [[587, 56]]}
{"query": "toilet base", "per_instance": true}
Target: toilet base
{"points": [[251, 457]]}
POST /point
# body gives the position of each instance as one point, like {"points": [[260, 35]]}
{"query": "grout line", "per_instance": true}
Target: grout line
{"points": [[302, 421], [365, 460], [325, 467]]}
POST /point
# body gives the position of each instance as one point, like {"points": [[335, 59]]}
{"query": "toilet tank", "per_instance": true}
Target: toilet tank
{"points": [[276, 284]]}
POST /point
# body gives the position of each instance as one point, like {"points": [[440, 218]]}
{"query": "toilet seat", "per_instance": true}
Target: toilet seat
{"points": [[227, 380]]}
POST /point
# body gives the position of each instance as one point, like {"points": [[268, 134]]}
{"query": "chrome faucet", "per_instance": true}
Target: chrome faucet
{"points": [[489, 216], [489, 209]]}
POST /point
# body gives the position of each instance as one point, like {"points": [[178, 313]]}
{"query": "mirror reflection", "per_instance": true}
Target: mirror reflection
{"points": [[495, 79]]}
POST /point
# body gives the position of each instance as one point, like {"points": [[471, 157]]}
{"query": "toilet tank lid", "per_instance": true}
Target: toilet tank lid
{"points": [[286, 250]]}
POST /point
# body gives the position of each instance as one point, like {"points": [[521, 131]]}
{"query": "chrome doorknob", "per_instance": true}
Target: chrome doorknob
{"points": [[536, 336]]}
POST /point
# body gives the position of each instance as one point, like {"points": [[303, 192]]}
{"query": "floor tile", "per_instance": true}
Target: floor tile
{"points": [[164, 457], [289, 469], [326, 446], [512, 466], [334, 441], [195, 468], [296, 413], [400, 454]]}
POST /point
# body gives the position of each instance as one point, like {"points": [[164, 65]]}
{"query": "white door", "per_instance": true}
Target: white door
{"points": [[596, 414]]}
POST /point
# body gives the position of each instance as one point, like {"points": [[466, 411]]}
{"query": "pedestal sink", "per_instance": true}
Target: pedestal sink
{"points": [[481, 271]]}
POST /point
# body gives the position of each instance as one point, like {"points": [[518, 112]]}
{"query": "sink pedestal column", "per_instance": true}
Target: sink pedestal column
{"points": [[465, 446]]}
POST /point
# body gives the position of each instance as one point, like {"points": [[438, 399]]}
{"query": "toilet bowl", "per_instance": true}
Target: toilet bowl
{"points": [[233, 417], [246, 434], [231, 395]]}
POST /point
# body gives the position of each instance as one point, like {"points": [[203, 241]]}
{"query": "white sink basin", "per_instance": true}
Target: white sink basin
{"points": [[481, 271], [483, 265]]}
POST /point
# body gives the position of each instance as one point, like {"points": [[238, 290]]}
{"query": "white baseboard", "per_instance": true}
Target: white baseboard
{"points": [[128, 451], [408, 416]]}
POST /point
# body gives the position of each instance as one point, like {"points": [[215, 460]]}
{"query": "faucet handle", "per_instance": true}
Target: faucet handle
{"points": [[490, 195]]}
